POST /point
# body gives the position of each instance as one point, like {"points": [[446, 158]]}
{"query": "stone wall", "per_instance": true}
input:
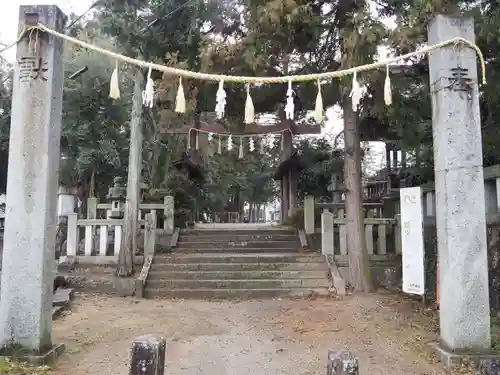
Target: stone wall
{"points": [[493, 236], [386, 270]]}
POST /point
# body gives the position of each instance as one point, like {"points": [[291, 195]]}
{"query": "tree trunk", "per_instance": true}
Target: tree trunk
{"points": [[130, 227], [359, 269], [92, 184]]}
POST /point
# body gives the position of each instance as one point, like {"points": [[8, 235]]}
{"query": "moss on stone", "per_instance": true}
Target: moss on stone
{"points": [[13, 367]]}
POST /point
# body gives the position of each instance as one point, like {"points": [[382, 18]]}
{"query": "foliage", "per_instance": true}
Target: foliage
{"points": [[250, 37], [12, 367], [232, 181], [94, 132], [322, 161], [5, 103]]}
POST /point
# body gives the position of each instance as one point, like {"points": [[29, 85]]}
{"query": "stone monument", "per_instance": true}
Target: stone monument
{"points": [[32, 182], [460, 205]]}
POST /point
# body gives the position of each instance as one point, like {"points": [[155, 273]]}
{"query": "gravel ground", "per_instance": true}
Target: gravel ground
{"points": [[254, 337]]}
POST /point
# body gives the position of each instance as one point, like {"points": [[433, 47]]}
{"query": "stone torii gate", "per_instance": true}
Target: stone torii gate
{"points": [[286, 173], [34, 153]]}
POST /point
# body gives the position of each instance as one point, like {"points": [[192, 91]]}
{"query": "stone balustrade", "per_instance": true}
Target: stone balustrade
{"points": [[163, 212], [102, 237], [383, 236]]}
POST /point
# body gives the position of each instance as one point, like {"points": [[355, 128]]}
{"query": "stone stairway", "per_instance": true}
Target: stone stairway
{"points": [[237, 264]]}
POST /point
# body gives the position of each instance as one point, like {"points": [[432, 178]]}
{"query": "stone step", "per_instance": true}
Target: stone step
{"points": [[229, 236], [235, 293], [238, 232], [235, 250], [237, 244], [238, 258], [236, 275], [238, 284], [237, 267]]}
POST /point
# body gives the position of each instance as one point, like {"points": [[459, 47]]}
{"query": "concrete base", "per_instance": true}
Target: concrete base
{"points": [[452, 359], [42, 359]]}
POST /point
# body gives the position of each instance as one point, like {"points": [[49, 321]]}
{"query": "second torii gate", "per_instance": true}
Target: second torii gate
{"points": [[290, 166]]}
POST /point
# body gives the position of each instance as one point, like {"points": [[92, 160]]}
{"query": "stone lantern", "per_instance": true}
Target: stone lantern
{"points": [[117, 197]]}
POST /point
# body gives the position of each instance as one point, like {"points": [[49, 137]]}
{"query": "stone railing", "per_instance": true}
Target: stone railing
{"points": [[163, 212], [491, 177], [313, 210], [383, 236], [102, 237]]}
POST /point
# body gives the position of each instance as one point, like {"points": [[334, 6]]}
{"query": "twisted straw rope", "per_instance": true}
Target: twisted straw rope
{"points": [[256, 80]]}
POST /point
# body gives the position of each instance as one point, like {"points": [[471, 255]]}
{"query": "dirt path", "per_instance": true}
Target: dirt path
{"points": [[251, 337]]}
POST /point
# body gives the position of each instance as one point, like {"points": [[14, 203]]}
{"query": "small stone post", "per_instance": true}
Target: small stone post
{"points": [[72, 237], [149, 235], [32, 182], [309, 214], [488, 366], [342, 362], [169, 214], [460, 205], [327, 233], [65, 206], [148, 356], [92, 208]]}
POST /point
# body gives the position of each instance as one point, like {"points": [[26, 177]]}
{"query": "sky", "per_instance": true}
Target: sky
{"points": [[8, 31]]}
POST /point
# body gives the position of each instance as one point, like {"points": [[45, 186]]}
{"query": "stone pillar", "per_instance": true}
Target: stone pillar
{"points": [[92, 208], [65, 206], [148, 356], [65, 201], [32, 182], [168, 214], [149, 234], [72, 239], [326, 233], [460, 208], [309, 214]]}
